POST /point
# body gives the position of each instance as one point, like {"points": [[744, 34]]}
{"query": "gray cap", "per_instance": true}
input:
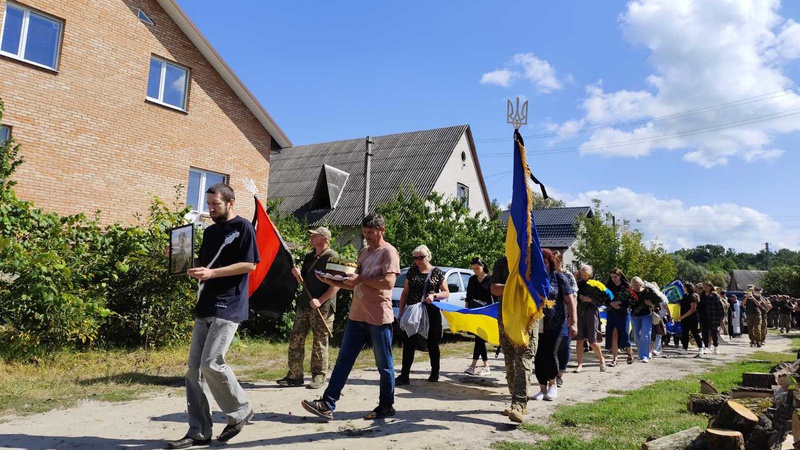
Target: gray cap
{"points": [[322, 231]]}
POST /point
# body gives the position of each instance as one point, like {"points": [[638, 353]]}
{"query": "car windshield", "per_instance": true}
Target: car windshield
{"points": [[401, 279]]}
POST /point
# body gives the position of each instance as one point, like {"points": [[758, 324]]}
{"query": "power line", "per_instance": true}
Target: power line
{"points": [[741, 102]]}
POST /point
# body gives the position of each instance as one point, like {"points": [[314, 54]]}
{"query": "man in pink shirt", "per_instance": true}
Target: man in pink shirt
{"points": [[370, 319]]}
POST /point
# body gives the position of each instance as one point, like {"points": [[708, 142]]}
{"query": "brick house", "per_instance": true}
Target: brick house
{"points": [[114, 101]]}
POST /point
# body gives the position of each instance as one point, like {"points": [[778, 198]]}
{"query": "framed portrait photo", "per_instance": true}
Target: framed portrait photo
{"points": [[181, 249]]}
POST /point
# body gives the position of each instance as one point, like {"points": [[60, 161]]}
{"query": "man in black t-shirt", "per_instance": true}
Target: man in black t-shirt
{"points": [[227, 256], [315, 309]]}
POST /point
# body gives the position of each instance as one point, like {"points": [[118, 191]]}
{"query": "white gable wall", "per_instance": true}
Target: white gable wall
{"points": [[465, 172]]}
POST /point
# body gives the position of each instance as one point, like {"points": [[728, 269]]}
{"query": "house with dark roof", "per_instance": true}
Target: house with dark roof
{"points": [[558, 229], [324, 183], [741, 278]]}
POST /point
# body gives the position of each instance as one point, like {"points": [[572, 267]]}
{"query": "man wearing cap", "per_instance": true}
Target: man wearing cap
{"points": [[752, 310], [322, 298]]}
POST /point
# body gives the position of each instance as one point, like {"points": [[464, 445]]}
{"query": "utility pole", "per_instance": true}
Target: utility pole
{"points": [[367, 168], [767, 244]]}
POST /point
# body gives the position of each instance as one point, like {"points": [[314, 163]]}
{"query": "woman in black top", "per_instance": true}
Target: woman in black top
{"points": [[424, 283], [618, 316], [478, 295], [689, 320]]}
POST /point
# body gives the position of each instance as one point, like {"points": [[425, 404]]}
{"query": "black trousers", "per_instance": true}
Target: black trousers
{"points": [[434, 337], [545, 363], [479, 351], [710, 335], [688, 327]]}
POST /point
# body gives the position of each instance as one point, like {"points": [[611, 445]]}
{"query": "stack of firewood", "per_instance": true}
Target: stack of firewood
{"points": [[758, 415]]}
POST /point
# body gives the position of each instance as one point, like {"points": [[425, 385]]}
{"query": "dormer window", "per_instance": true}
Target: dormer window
{"points": [[145, 18]]}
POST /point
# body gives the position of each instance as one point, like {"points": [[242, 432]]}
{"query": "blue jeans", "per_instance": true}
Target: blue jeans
{"points": [[621, 323], [356, 336], [642, 326]]}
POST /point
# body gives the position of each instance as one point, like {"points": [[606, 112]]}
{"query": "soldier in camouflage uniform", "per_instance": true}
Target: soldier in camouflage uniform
{"points": [[307, 314], [518, 360]]}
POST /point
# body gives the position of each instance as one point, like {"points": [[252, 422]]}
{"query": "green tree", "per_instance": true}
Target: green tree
{"points": [[689, 271], [539, 202], [605, 248], [783, 280], [453, 235]]}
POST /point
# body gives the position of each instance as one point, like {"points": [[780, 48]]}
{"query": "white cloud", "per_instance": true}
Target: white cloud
{"points": [[525, 66], [704, 54], [498, 77], [678, 225]]}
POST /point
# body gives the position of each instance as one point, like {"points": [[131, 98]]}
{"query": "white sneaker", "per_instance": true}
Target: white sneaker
{"points": [[552, 393], [482, 372], [538, 396], [702, 351], [470, 370], [716, 350], [683, 351]]}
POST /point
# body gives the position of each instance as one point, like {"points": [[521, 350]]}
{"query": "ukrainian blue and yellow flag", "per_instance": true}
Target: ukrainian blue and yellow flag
{"points": [[481, 322], [528, 283]]}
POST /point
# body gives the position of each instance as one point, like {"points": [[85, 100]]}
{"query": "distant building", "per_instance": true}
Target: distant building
{"points": [[324, 183], [558, 229], [741, 278]]}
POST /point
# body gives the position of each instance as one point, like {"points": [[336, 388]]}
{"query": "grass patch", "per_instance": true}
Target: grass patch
{"points": [[627, 419], [67, 378]]}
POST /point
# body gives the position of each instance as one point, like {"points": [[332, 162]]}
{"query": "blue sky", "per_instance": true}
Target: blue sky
{"points": [[687, 112]]}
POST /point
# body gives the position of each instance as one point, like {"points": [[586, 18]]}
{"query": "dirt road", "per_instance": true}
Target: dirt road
{"points": [[458, 412]]}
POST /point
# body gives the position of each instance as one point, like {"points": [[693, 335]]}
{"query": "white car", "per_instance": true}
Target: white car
{"points": [[456, 280]]}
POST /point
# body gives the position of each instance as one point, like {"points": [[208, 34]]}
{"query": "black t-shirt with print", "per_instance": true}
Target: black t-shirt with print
{"points": [[226, 297], [416, 283]]}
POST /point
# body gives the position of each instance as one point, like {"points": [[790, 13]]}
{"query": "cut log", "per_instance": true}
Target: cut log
{"points": [[796, 428], [735, 416], [678, 441], [707, 387], [751, 392], [724, 439], [763, 439], [759, 380], [705, 403]]}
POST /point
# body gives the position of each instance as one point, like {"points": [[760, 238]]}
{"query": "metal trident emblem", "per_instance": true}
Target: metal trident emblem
{"points": [[518, 117]]}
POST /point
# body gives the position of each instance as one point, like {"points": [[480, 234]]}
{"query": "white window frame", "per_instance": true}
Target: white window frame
{"points": [[462, 188], [200, 206], [23, 39], [162, 82], [144, 18]]}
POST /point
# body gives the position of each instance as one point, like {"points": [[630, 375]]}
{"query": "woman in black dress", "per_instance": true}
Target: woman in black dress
{"points": [[479, 295], [424, 283], [690, 320]]}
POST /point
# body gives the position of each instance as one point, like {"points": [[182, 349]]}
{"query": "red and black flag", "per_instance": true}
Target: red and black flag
{"points": [[272, 285]]}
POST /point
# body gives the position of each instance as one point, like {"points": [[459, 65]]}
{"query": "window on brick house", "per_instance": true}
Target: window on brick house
{"points": [[30, 36], [5, 134], [167, 83], [199, 182], [462, 193]]}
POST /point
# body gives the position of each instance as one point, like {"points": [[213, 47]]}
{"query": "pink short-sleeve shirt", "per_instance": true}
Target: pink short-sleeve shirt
{"points": [[371, 305]]}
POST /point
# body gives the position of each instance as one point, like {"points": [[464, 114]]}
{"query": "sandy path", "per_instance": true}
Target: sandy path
{"points": [[458, 412]]}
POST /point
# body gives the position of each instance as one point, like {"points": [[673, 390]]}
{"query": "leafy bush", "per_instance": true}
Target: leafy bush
{"points": [[69, 282]]}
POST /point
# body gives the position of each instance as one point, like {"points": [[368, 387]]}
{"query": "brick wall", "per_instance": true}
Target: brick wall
{"points": [[89, 138]]}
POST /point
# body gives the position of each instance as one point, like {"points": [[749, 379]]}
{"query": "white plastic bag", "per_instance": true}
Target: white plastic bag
{"points": [[415, 320]]}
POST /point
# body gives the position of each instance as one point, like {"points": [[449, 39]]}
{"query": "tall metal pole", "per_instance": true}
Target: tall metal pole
{"points": [[367, 169], [767, 255]]}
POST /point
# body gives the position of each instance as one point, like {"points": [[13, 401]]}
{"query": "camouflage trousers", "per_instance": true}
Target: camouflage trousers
{"points": [[519, 364], [308, 319], [754, 329], [764, 323]]}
